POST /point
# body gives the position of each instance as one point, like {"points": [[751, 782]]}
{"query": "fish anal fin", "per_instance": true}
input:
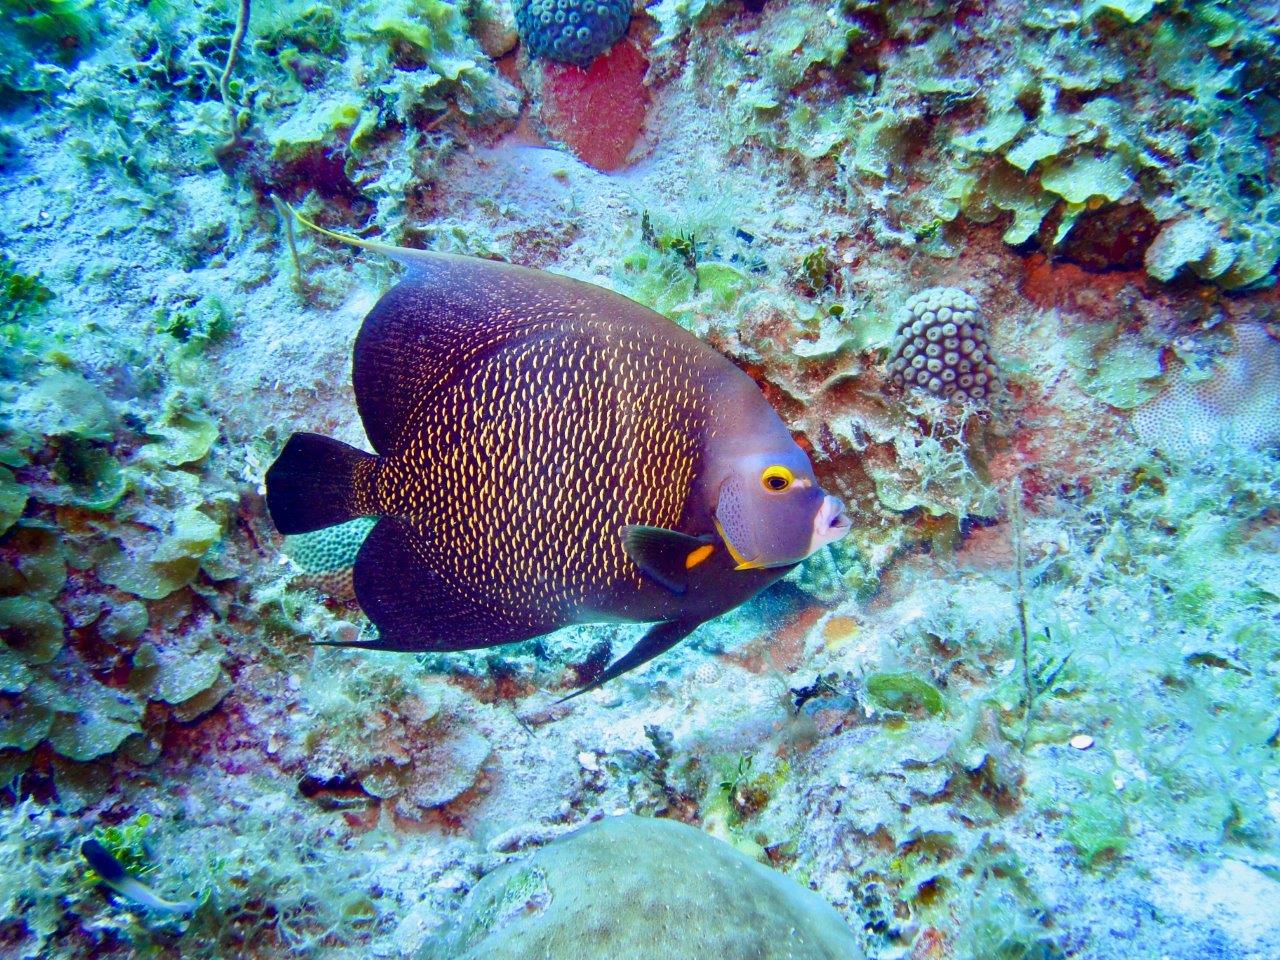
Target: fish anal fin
{"points": [[660, 638], [414, 608], [665, 555]]}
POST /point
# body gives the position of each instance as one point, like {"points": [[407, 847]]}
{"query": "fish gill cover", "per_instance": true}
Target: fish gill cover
{"points": [[1026, 708]]}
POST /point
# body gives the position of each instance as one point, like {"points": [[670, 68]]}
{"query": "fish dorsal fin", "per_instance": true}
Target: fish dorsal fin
{"points": [[449, 310]]}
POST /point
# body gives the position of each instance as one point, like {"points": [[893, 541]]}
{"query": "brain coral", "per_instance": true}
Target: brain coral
{"points": [[941, 345], [1235, 405], [571, 31], [629, 888]]}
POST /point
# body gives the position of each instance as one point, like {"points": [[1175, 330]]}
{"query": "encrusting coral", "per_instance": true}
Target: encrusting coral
{"points": [[325, 557], [1232, 402]]}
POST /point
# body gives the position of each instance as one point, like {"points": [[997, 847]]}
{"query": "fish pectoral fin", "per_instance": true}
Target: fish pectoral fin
{"points": [[661, 637], [665, 555]]}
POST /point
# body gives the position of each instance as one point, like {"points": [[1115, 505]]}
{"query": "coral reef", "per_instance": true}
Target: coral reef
{"points": [[630, 887], [1026, 709]]}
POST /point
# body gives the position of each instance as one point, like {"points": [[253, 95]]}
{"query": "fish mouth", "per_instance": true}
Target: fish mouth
{"points": [[830, 524]]}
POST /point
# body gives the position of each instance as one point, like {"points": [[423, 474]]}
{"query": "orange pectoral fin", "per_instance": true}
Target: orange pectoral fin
{"points": [[697, 556]]}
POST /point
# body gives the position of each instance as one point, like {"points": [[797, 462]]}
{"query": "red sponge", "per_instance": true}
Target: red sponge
{"points": [[597, 112]]}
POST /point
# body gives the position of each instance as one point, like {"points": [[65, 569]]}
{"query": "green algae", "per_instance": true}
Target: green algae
{"points": [[904, 692], [13, 499], [1035, 150], [1121, 369]]}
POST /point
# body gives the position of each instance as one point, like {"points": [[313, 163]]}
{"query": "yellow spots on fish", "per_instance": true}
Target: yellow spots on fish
{"points": [[696, 557], [534, 454]]}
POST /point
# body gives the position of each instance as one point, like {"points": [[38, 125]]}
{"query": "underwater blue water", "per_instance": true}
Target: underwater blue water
{"points": [[507, 479]]}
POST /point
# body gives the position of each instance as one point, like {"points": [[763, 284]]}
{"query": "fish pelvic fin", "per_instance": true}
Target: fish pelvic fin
{"points": [[319, 482], [661, 637], [417, 609]]}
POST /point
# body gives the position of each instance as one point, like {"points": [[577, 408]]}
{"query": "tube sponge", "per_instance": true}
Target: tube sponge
{"points": [[571, 31]]}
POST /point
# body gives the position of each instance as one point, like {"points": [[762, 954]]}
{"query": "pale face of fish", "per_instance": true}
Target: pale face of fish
{"points": [[771, 511]]}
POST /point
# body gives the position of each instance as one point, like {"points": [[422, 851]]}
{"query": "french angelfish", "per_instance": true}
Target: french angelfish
{"points": [[548, 452]]}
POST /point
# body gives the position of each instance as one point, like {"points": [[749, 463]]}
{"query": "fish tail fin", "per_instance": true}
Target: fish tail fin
{"points": [[319, 482]]}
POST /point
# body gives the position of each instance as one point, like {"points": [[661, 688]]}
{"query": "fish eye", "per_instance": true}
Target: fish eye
{"points": [[777, 478]]}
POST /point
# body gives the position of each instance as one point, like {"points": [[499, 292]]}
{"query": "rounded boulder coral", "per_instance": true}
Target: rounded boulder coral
{"points": [[941, 346], [571, 31], [324, 558]]}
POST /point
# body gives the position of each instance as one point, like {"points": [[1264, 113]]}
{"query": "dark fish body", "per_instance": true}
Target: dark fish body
{"points": [[547, 453]]}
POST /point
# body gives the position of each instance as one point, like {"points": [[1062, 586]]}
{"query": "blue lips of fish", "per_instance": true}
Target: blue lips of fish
{"points": [[548, 452]]}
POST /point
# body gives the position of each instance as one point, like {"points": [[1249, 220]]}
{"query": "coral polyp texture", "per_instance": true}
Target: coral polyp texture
{"points": [[571, 31], [325, 557], [941, 346], [1231, 403]]}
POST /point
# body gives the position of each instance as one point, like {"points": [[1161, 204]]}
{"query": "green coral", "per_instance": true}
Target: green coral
{"points": [[1120, 368], [904, 692], [331, 549]]}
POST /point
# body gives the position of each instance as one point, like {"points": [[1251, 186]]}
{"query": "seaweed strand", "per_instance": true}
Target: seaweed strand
{"points": [[224, 80], [1028, 690]]}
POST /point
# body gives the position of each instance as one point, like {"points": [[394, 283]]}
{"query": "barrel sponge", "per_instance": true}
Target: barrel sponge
{"points": [[571, 31], [1235, 405], [634, 888], [941, 346]]}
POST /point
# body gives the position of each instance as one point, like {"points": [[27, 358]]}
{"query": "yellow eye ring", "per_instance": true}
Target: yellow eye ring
{"points": [[777, 478]]}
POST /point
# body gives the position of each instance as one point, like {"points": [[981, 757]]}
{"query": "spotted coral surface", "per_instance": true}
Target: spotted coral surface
{"points": [[941, 346], [1232, 404], [325, 557], [571, 31]]}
